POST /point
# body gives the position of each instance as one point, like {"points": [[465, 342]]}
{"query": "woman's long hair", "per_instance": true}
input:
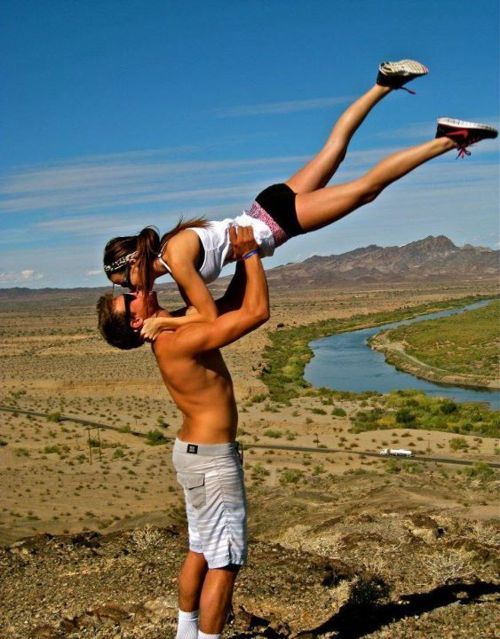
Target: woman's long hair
{"points": [[148, 245]]}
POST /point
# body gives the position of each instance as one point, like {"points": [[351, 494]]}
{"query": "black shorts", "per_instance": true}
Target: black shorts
{"points": [[279, 201]]}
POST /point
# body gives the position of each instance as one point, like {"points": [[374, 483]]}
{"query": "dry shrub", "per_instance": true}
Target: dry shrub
{"points": [[449, 565], [146, 538], [485, 533]]}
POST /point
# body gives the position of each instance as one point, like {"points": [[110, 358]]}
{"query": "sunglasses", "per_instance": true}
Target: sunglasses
{"points": [[128, 299], [125, 283]]}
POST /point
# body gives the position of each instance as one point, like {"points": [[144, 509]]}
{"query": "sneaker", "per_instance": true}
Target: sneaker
{"points": [[464, 133], [396, 74]]}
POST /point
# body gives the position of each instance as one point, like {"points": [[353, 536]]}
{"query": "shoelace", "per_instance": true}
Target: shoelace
{"points": [[462, 148], [462, 152], [408, 90]]}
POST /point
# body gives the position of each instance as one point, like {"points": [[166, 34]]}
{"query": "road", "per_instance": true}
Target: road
{"points": [[302, 449]]}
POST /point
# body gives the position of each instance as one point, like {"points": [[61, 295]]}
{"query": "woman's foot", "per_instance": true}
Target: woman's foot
{"points": [[396, 74], [463, 133]]}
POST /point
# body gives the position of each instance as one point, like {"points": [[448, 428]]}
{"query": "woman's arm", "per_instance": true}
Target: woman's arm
{"points": [[182, 255], [192, 286]]}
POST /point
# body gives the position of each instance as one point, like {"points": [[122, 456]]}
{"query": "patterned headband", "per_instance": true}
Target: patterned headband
{"points": [[119, 263]]}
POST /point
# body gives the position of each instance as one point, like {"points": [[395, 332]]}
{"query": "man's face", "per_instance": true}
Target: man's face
{"points": [[138, 305]]}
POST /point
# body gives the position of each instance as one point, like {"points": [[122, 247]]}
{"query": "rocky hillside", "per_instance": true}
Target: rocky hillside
{"points": [[431, 259], [384, 577]]}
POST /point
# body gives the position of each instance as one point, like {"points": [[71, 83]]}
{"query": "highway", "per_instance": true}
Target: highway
{"points": [[285, 447]]}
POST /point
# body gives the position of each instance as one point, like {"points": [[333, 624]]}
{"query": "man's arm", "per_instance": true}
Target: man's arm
{"points": [[229, 327], [233, 296]]}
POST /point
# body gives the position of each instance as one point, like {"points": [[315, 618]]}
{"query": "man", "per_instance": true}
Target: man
{"points": [[205, 454]]}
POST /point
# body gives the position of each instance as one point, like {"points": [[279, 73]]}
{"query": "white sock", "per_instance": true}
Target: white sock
{"points": [[203, 635], [187, 625]]}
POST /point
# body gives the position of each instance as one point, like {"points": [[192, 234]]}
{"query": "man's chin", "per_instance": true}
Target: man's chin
{"points": [[153, 305]]}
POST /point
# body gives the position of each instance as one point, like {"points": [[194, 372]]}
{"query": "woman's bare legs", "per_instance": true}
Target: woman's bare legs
{"points": [[318, 172], [324, 206]]}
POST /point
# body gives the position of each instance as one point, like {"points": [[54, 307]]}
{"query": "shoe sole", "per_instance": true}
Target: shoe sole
{"points": [[403, 68], [463, 124]]}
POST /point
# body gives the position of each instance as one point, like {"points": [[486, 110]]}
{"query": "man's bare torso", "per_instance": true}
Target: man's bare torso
{"points": [[202, 389]]}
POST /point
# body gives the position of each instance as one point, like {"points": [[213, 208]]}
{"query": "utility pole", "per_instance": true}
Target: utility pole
{"points": [[90, 445]]}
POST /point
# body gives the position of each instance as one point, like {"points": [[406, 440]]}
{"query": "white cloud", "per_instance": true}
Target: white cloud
{"points": [[107, 184], [276, 108], [26, 275], [94, 273]]}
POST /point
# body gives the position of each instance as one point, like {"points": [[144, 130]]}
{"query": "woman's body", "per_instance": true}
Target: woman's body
{"points": [[194, 256]]}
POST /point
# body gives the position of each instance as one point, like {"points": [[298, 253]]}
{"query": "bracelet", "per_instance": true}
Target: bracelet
{"points": [[250, 253]]}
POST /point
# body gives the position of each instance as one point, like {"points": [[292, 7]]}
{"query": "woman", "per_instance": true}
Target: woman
{"points": [[194, 252]]}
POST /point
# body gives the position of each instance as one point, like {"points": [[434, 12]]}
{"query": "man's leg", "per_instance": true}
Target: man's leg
{"points": [[191, 578], [215, 600]]}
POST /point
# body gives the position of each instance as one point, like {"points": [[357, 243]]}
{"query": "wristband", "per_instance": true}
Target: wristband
{"points": [[250, 253]]}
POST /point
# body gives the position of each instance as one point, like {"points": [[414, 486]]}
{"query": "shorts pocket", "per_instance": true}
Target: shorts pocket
{"points": [[194, 487]]}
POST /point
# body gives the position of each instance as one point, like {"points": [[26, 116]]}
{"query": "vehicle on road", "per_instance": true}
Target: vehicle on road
{"points": [[396, 452]]}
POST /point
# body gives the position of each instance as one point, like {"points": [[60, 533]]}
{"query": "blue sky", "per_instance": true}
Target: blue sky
{"points": [[117, 114]]}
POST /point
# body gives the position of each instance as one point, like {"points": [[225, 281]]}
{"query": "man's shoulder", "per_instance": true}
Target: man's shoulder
{"points": [[188, 340], [177, 339]]}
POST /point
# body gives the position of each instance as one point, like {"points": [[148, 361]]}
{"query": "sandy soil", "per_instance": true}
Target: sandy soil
{"points": [[55, 363]]}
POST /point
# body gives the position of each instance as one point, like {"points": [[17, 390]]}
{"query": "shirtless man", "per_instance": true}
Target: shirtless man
{"points": [[205, 454]]}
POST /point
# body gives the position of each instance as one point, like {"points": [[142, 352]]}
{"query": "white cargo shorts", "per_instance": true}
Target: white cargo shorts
{"points": [[212, 478]]}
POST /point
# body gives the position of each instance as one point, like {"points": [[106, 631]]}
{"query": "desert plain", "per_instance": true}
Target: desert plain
{"points": [[343, 544]]}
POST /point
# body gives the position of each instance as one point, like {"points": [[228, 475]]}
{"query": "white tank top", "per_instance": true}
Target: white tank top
{"points": [[216, 244]]}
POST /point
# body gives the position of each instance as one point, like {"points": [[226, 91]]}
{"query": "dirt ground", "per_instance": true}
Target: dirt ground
{"points": [[65, 478]]}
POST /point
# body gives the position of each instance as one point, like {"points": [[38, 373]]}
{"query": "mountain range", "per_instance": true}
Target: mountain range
{"points": [[432, 260]]}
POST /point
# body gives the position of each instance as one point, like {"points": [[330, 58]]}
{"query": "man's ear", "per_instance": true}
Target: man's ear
{"points": [[136, 323]]}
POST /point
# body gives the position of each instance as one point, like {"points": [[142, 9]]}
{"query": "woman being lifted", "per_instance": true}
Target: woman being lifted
{"points": [[195, 251]]}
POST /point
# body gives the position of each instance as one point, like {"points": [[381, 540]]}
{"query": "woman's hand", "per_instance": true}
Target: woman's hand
{"points": [[242, 241], [153, 326]]}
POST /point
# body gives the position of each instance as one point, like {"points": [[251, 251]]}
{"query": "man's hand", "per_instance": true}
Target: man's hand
{"points": [[242, 241]]}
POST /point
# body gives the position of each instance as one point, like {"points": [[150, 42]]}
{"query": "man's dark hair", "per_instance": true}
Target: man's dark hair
{"points": [[115, 327]]}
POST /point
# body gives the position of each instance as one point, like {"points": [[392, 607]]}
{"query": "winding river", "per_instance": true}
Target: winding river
{"points": [[345, 362]]}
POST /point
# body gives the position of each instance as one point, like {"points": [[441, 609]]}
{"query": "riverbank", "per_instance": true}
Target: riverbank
{"points": [[288, 354], [459, 350]]}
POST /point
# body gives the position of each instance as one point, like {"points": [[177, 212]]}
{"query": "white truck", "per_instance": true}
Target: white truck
{"points": [[396, 452]]}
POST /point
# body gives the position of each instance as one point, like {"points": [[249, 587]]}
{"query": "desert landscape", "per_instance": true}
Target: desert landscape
{"points": [[344, 543]]}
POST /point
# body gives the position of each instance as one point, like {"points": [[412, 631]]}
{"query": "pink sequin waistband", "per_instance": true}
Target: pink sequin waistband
{"points": [[256, 211]]}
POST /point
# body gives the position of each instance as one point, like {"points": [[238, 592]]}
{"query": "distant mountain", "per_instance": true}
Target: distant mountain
{"points": [[431, 259]]}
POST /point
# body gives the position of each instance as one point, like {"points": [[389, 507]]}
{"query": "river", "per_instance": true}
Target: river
{"points": [[345, 362]]}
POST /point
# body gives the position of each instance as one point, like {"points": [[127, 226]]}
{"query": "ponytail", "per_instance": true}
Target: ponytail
{"points": [[148, 248]]}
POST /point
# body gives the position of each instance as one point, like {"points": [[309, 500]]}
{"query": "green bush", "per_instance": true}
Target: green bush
{"points": [[458, 443], [290, 476], [274, 434], [480, 470], [405, 416], [51, 449], [258, 398], [447, 407], [155, 438], [338, 412], [259, 471]]}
